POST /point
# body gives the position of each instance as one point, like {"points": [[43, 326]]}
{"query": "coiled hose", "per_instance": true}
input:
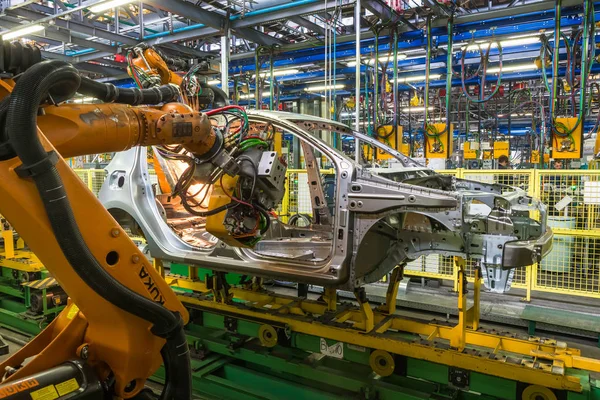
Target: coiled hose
{"points": [[63, 79]]}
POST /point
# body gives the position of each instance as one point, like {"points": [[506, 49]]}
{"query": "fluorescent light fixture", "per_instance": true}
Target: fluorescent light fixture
{"points": [[435, 120], [513, 68], [108, 5], [514, 115], [418, 78], [215, 82], [22, 32], [505, 43], [324, 87], [278, 72], [251, 96], [416, 109], [381, 59]]}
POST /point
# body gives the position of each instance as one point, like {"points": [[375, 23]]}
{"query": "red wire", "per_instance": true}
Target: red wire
{"points": [[218, 110], [247, 204], [231, 196]]}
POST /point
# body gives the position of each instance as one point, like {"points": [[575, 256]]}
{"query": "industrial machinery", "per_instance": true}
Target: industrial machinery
{"points": [[50, 208], [30, 296], [39, 201], [150, 68]]}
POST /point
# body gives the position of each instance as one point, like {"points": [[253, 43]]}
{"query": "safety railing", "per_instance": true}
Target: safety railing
{"points": [[573, 199]]}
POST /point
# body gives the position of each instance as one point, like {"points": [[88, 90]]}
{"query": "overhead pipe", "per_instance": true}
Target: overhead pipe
{"points": [[278, 7]]}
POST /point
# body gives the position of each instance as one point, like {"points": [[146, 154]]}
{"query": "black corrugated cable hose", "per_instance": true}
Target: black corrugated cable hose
{"points": [[62, 79], [109, 93], [106, 92]]}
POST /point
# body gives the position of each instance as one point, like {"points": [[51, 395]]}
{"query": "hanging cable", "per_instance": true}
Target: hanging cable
{"points": [[560, 129], [483, 66]]}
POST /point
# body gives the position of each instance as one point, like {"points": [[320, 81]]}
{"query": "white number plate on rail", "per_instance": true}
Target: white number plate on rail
{"points": [[336, 350]]}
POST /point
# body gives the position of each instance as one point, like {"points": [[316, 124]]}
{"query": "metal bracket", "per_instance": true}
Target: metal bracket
{"points": [[230, 324], [459, 378]]}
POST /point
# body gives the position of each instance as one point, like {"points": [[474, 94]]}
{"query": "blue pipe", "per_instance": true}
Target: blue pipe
{"points": [[280, 7], [182, 29], [80, 52]]}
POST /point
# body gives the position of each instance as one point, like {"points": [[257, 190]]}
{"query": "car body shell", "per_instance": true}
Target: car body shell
{"points": [[376, 223]]}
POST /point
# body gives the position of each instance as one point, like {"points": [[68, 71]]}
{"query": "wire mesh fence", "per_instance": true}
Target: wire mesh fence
{"points": [[572, 267]]}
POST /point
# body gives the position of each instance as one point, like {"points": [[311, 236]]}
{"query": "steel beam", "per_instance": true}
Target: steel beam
{"points": [[437, 9], [81, 7], [55, 56], [189, 10], [210, 19], [52, 33], [76, 26], [102, 33], [199, 32], [89, 57], [260, 17], [308, 24], [86, 66], [185, 50], [134, 18], [381, 10], [385, 13], [506, 12]]}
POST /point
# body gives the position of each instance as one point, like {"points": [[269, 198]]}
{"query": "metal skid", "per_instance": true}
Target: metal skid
{"points": [[252, 312]]}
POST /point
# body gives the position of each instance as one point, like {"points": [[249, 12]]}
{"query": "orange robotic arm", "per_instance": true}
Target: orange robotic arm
{"points": [[123, 315], [146, 59], [76, 130]]}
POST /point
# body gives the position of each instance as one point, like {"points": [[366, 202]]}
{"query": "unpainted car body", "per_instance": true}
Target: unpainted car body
{"points": [[372, 225]]}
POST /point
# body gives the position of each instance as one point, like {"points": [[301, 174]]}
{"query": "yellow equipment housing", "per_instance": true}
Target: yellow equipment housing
{"points": [[468, 153], [535, 157], [597, 144], [501, 149], [394, 140], [405, 149], [567, 146], [438, 143]]}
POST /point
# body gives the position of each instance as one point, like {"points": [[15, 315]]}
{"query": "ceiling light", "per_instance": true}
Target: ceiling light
{"points": [[515, 115], [108, 5], [417, 78], [22, 32], [416, 109], [513, 68], [436, 119], [381, 59], [505, 43], [324, 87], [277, 72], [251, 96]]}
